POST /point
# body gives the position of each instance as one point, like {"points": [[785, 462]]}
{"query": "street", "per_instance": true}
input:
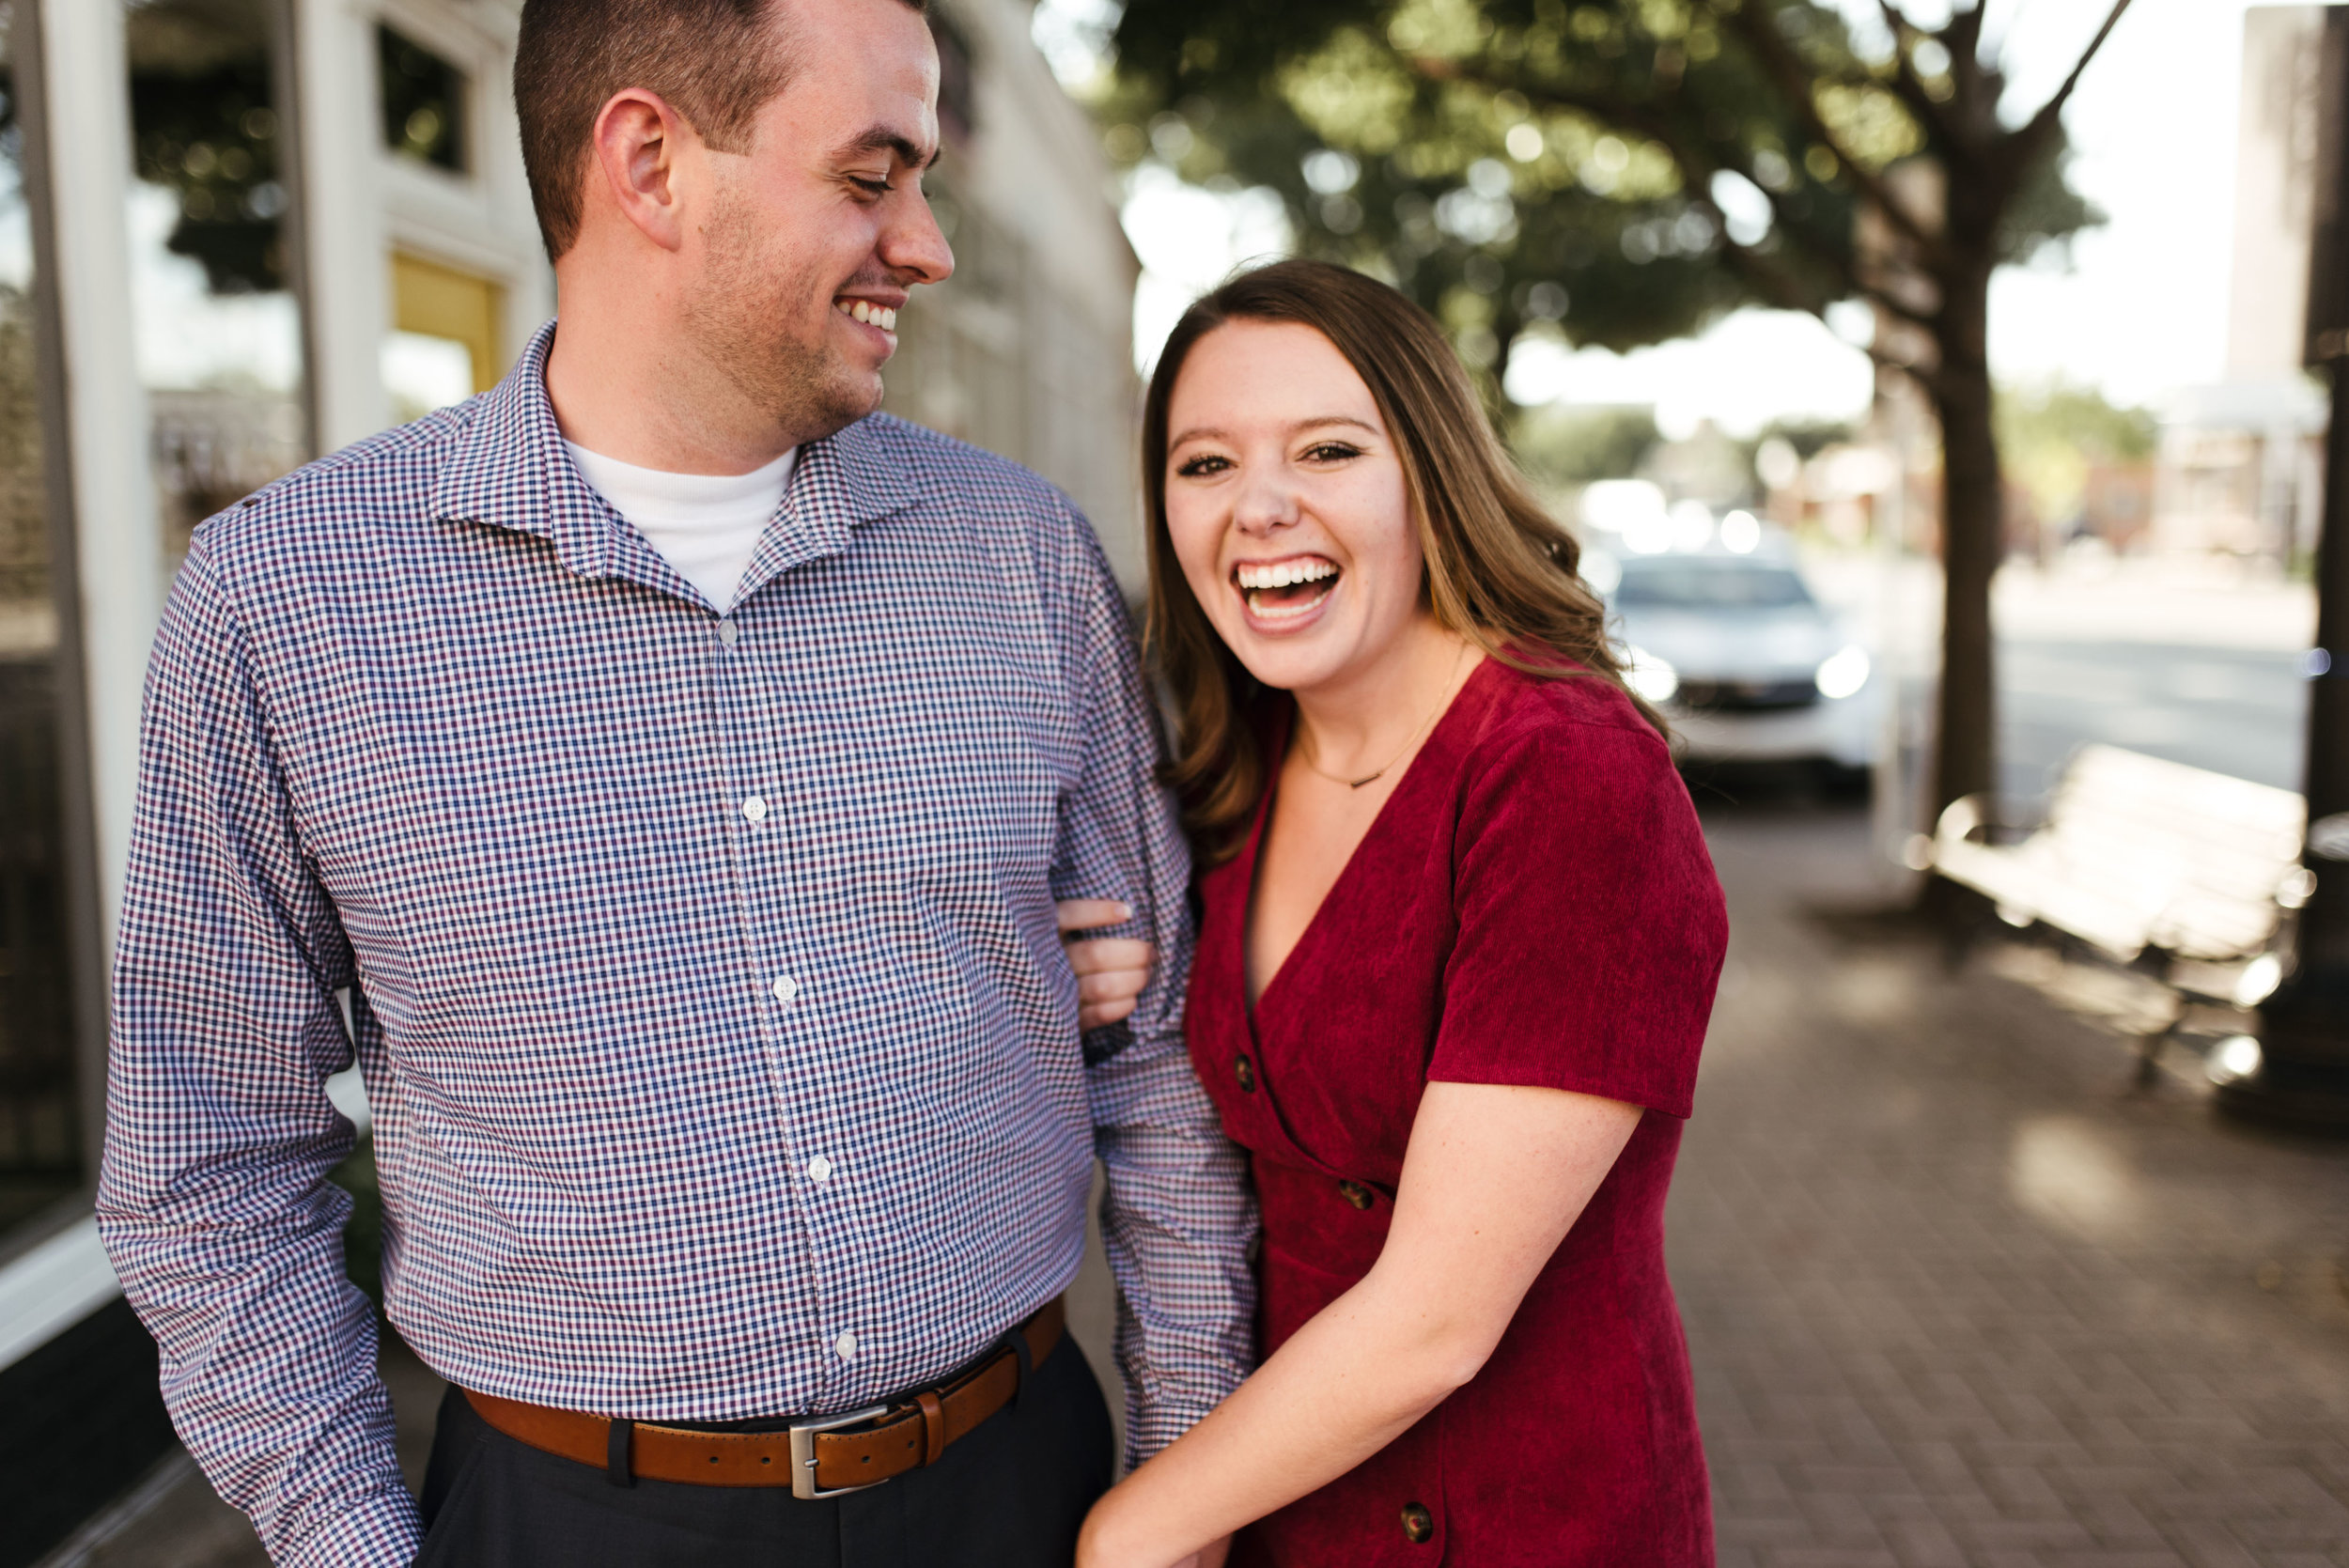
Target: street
{"points": [[2232, 710]]}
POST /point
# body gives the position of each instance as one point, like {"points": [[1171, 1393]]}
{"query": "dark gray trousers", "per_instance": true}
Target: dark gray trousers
{"points": [[1009, 1495]]}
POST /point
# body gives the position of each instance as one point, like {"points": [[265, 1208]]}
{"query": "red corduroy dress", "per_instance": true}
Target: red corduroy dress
{"points": [[1534, 905]]}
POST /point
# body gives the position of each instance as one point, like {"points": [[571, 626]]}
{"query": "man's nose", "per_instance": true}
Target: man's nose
{"points": [[911, 245]]}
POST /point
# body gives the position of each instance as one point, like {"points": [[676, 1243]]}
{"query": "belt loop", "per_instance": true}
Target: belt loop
{"points": [[619, 1464], [1019, 1338], [933, 1425]]}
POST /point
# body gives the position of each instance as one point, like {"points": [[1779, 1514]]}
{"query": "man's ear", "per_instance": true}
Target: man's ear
{"points": [[639, 143]]}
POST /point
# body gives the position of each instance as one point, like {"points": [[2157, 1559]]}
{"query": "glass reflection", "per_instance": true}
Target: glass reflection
{"points": [[219, 333], [40, 1158]]}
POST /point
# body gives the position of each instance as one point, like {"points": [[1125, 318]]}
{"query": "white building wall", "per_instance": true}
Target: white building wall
{"points": [[2275, 171]]}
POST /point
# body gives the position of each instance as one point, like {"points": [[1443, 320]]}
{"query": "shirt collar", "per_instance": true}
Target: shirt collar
{"points": [[509, 470]]}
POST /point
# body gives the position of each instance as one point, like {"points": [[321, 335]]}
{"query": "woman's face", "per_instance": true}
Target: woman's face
{"points": [[1286, 505]]}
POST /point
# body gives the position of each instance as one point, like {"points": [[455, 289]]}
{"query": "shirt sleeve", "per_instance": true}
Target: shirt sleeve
{"points": [[1178, 1215], [1590, 927], [213, 1200]]}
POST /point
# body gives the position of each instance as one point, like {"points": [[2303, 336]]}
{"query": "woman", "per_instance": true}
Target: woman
{"points": [[1460, 944]]}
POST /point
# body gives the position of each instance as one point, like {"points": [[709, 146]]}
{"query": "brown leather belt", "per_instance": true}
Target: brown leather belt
{"points": [[821, 1457]]}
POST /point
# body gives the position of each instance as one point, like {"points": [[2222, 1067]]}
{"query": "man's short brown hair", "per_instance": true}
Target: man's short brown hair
{"points": [[714, 61]]}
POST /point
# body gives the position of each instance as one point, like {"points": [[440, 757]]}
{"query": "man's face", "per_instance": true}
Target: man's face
{"points": [[817, 233]]}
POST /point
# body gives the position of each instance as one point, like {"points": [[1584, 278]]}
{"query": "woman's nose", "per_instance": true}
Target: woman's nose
{"points": [[1265, 506]]}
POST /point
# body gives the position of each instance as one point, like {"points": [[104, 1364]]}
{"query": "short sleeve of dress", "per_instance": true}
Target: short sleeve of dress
{"points": [[1590, 927]]}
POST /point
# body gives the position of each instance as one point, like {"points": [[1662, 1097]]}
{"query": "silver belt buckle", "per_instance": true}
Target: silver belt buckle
{"points": [[803, 1452]]}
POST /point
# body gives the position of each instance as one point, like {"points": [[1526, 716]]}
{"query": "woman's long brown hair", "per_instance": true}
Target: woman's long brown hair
{"points": [[1500, 571]]}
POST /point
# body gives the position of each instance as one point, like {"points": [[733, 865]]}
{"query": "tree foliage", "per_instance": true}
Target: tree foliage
{"points": [[1561, 445], [1619, 171]]}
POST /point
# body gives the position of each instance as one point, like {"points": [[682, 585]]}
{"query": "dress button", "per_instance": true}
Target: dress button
{"points": [[1245, 1071], [1358, 1195], [755, 808], [729, 633], [1419, 1526]]}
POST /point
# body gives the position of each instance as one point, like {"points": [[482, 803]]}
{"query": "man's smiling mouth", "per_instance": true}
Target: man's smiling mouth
{"points": [[1278, 590], [867, 312]]}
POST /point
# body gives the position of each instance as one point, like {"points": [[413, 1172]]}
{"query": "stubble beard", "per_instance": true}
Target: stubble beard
{"points": [[748, 318]]}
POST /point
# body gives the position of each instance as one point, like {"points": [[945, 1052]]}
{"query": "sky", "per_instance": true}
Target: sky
{"points": [[2138, 308]]}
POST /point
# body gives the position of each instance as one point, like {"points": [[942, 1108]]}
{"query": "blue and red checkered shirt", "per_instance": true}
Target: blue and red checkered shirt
{"points": [[705, 984]]}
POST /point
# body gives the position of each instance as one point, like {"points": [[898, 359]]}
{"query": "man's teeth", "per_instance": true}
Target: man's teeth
{"points": [[1282, 573], [870, 314]]}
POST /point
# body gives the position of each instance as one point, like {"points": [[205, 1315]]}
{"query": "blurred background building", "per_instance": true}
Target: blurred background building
{"points": [[234, 235], [2242, 460]]}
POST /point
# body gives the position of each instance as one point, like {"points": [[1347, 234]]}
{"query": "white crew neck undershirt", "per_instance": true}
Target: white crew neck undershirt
{"points": [[705, 525]]}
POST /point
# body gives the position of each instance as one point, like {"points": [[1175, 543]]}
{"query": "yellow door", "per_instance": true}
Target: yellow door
{"points": [[433, 300]]}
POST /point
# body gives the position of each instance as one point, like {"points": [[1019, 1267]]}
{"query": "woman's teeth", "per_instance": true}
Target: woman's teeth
{"points": [[1280, 574], [1265, 587], [868, 313]]}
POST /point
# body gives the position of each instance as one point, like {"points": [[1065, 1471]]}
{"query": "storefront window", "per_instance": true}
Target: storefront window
{"points": [[40, 1153], [219, 333], [424, 102]]}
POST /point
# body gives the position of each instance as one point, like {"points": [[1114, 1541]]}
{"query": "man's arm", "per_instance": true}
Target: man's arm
{"points": [[1178, 1218], [213, 1200]]}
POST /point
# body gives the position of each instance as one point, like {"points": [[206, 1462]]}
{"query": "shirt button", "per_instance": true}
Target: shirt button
{"points": [[845, 1346], [1355, 1194], [729, 633], [755, 808], [1419, 1526], [819, 1169], [786, 988]]}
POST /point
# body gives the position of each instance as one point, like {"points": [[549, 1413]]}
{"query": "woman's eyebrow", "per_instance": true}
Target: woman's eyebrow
{"points": [[1209, 432]]}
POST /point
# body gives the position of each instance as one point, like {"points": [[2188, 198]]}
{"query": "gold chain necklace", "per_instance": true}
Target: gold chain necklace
{"points": [[1306, 750]]}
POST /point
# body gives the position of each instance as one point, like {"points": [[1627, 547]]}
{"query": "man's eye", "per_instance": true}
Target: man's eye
{"points": [[871, 187], [1200, 466]]}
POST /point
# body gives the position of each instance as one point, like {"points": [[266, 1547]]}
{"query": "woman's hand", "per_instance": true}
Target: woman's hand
{"points": [[1111, 972]]}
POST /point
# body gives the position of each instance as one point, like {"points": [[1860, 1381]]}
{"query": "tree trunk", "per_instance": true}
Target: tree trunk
{"points": [[1972, 530]]}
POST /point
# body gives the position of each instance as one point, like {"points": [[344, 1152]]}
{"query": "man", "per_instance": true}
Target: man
{"points": [[674, 770]]}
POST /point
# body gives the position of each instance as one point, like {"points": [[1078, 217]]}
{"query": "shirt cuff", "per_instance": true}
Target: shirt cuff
{"points": [[378, 1529]]}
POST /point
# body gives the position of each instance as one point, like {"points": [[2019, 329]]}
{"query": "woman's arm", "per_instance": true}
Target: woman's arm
{"points": [[1494, 1178]]}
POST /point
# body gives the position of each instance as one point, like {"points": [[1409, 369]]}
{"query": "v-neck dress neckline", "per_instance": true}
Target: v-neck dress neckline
{"points": [[1276, 756]]}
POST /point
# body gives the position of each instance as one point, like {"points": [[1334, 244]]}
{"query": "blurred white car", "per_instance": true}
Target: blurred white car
{"points": [[1740, 654]]}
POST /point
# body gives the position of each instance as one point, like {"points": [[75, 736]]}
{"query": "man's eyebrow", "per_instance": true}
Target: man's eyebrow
{"points": [[881, 138]]}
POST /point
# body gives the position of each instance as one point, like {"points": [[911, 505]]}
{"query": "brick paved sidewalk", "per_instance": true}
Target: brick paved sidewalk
{"points": [[1957, 1294]]}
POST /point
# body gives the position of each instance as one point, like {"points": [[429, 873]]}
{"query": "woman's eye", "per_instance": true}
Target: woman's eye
{"points": [[1195, 467], [1332, 452]]}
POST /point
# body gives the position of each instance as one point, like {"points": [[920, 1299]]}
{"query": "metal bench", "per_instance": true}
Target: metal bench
{"points": [[2181, 874]]}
